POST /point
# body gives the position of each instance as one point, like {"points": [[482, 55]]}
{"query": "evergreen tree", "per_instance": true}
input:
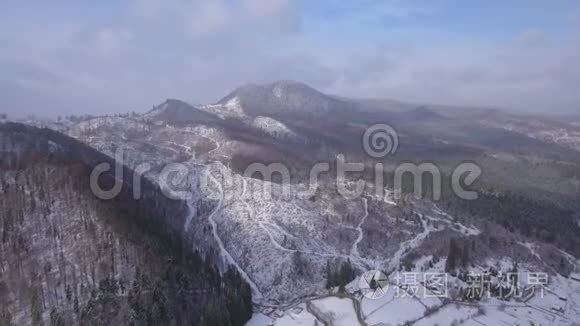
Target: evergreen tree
{"points": [[330, 282], [451, 262], [465, 256], [346, 273], [56, 318], [36, 308], [5, 317]]}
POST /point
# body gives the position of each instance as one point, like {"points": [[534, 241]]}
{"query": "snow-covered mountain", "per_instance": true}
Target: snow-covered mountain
{"points": [[288, 243]]}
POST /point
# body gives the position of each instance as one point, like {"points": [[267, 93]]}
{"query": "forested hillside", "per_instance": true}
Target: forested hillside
{"points": [[68, 258]]}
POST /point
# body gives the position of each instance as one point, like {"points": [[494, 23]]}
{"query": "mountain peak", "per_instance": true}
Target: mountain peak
{"points": [[179, 112], [283, 97], [276, 88]]}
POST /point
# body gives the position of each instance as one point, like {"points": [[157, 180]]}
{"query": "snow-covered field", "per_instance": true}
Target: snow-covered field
{"points": [[393, 309], [335, 311]]}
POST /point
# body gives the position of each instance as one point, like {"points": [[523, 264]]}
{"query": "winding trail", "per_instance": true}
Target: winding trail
{"points": [[411, 243], [226, 257], [362, 263], [356, 259], [314, 312], [189, 218], [252, 216], [328, 318], [282, 231], [217, 146], [354, 249], [192, 210]]}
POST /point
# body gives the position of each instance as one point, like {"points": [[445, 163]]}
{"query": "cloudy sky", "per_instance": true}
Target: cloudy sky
{"points": [[70, 56]]}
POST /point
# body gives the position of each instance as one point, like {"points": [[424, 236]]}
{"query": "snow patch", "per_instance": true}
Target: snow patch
{"points": [[277, 91], [231, 109], [336, 311], [272, 127], [234, 107]]}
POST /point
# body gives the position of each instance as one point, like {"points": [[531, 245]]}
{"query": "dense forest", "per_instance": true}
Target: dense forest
{"points": [[67, 257], [519, 212]]}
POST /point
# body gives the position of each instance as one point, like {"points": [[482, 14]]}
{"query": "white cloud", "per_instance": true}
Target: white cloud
{"points": [[506, 75], [532, 36], [200, 50], [208, 17], [268, 8], [109, 42]]}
